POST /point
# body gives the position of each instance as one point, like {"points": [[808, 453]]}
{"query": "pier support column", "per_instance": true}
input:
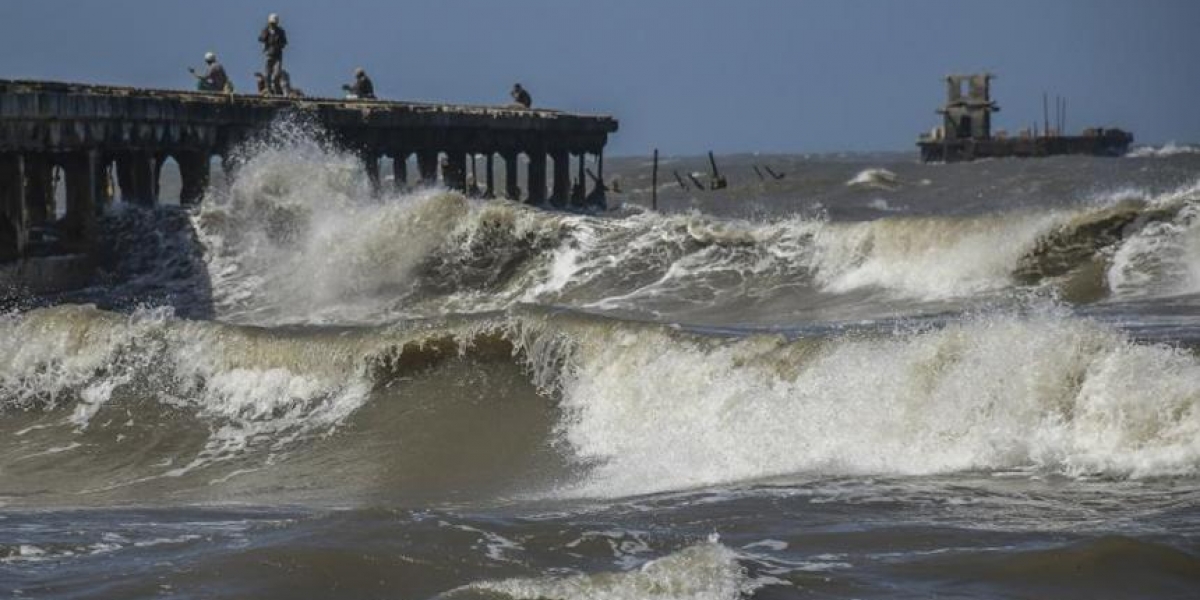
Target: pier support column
{"points": [[578, 191], [104, 185], [14, 212], [427, 164], [400, 170], [490, 192], [39, 189], [537, 178], [230, 164], [371, 164], [193, 176], [138, 177], [512, 190], [562, 178], [454, 175], [598, 196], [82, 172]]}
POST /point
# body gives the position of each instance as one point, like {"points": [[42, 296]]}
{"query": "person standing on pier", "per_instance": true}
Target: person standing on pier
{"points": [[274, 40], [362, 88], [214, 78], [521, 96]]}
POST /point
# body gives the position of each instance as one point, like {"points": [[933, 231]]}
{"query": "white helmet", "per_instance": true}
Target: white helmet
{"points": [[210, 57], [273, 19], [359, 72]]}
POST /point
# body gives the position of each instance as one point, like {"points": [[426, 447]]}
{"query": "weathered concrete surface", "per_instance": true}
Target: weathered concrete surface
{"points": [[1111, 142], [60, 117], [94, 139], [45, 275]]}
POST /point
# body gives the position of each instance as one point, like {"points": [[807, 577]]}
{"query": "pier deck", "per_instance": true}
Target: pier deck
{"points": [[82, 131]]}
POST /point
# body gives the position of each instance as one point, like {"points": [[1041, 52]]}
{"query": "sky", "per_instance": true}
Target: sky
{"points": [[681, 76]]}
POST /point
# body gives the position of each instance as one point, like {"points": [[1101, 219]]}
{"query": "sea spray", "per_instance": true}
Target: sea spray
{"points": [[705, 571], [1045, 391], [1161, 258], [642, 407], [300, 238]]}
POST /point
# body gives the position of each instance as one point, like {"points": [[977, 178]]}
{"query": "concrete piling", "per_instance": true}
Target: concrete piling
{"points": [[454, 175], [193, 176], [371, 165], [562, 178], [512, 188], [400, 169], [490, 191], [537, 178], [427, 166]]}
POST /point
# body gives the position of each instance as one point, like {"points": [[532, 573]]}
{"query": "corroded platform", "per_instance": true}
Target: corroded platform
{"points": [[1109, 142], [966, 130]]}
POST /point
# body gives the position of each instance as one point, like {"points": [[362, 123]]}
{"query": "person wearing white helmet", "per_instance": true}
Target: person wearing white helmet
{"points": [[213, 79], [362, 88], [273, 39]]}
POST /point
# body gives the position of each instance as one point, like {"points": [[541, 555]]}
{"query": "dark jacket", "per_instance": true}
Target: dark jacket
{"points": [[362, 88], [521, 96], [274, 40]]}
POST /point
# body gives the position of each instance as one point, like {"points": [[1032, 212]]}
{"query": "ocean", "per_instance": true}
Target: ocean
{"points": [[867, 378]]}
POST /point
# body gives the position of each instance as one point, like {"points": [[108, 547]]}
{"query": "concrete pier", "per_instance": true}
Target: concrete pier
{"points": [[102, 139]]}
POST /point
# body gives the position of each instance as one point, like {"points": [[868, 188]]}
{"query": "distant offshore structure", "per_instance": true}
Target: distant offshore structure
{"points": [[966, 130]]}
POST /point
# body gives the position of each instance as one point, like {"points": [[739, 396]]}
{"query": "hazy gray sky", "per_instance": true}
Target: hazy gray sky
{"points": [[732, 75]]}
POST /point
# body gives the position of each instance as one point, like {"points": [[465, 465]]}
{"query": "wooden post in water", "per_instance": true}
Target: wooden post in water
{"points": [[1045, 115], [683, 186], [718, 182], [654, 183], [1058, 113]]}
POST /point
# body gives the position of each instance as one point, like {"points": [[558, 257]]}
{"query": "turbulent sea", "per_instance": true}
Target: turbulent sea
{"points": [[870, 378]]}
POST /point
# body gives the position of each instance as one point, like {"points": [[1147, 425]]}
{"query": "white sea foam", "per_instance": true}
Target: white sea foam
{"points": [[707, 571], [299, 238], [1166, 150], [300, 233], [247, 387], [1162, 257], [875, 178], [927, 258], [647, 409], [1048, 391]]}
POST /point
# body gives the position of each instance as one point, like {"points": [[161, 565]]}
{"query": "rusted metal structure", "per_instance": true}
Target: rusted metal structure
{"points": [[966, 130], [101, 138]]}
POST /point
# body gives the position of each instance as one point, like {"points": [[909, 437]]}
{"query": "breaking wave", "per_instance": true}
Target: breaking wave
{"points": [[880, 179], [624, 408], [361, 339], [1166, 150], [304, 249], [707, 571], [298, 238]]}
